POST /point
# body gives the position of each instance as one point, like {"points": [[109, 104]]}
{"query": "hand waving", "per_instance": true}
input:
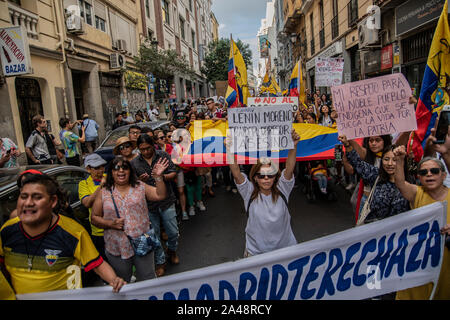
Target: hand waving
{"points": [[160, 167]]}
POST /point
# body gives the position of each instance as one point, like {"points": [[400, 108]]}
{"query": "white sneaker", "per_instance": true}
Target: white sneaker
{"points": [[192, 211], [185, 216], [201, 206], [234, 190], [350, 186], [133, 279]]}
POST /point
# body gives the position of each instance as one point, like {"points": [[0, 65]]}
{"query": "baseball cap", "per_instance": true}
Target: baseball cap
{"points": [[94, 160]]}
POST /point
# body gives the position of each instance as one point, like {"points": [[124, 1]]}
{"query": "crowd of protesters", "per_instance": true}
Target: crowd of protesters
{"points": [[146, 189]]}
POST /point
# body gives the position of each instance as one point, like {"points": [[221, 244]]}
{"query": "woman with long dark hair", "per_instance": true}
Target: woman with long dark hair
{"points": [[387, 199], [121, 210], [265, 193]]}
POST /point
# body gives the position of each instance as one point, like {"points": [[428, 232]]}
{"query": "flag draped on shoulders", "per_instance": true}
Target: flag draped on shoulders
{"points": [[296, 84], [237, 92], [435, 89]]}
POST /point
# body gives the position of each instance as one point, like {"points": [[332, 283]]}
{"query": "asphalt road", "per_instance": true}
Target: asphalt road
{"points": [[217, 235]]}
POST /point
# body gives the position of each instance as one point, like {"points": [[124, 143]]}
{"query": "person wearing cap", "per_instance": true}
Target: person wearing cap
{"points": [[90, 130], [125, 147], [88, 190], [180, 119]]}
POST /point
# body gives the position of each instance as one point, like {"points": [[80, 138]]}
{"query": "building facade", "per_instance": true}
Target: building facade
{"points": [[374, 37], [81, 54]]}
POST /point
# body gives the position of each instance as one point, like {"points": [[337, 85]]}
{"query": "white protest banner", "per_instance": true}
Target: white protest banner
{"points": [[329, 71], [392, 254], [273, 101], [14, 52], [374, 107], [255, 129]]}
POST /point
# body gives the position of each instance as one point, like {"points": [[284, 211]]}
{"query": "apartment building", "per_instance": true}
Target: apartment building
{"points": [[81, 54], [374, 37]]}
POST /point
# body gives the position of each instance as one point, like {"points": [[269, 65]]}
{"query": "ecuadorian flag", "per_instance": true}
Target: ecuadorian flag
{"points": [[436, 79], [237, 92], [208, 149], [296, 84]]}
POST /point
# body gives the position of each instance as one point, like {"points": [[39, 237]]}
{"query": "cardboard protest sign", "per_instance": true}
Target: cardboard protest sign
{"points": [[273, 101], [374, 107], [329, 71], [256, 129]]}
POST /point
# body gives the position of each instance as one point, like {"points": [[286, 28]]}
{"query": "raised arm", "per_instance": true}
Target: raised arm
{"points": [[292, 157], [159, 192], [407, 189], [234, 167]]}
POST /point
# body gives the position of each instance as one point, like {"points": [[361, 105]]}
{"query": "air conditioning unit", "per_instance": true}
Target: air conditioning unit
{"points": [[121, 45], [75, 24], [117, 61], [367, 36]]}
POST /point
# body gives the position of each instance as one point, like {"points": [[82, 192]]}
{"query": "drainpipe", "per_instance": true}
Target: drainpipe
{"points": [[61, 35]]}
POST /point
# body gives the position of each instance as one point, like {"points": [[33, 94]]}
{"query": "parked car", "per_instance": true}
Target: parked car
{"points": [[68, 178], [105, 150]]}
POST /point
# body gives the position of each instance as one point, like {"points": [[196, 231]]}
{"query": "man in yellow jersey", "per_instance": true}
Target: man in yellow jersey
{"points": [[88, 190], [43, 251]]}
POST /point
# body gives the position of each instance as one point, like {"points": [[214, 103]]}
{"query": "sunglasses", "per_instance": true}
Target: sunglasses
{"points": [[124, 167], [424, 172], [124, 146], [161, 138], [263, 176], [180, 118]]}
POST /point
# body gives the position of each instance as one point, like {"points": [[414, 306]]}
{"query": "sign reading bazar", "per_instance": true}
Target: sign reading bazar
{"points": [[14, 51], [388, 255], [374, 107]]}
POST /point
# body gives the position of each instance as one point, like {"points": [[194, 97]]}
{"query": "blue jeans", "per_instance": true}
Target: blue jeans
{"points": [[168, 218], [321, 180], [361, 205]]}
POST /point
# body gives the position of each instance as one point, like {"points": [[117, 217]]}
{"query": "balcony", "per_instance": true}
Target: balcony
{"points": [[21, 17], [334, 27]]}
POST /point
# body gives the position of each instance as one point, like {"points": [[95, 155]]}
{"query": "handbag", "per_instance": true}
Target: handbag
{"points": [[143, 244], [366, 208]]}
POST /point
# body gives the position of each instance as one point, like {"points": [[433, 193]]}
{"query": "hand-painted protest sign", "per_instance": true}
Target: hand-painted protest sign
{"points": [[273, 101], [392, 254], [329, 72], [374, 107], [256, 129]]}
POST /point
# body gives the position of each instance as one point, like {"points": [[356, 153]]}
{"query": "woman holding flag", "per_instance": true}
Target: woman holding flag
{"points": [[265, 193]]}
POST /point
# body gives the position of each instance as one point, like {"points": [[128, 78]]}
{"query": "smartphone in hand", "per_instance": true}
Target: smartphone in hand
{"points": [[442, 127]]}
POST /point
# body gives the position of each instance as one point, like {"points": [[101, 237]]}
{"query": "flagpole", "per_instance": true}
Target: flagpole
{"points": [[234, 68]]}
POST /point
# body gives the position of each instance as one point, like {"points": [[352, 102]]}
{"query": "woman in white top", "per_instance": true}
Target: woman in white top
{"points": [[268, 225]]}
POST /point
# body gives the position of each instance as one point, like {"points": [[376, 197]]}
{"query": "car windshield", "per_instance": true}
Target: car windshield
{"points": [[116, 134], [110, 141]]}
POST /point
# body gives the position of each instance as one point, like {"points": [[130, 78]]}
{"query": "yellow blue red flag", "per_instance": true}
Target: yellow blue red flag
{"points": [[435, 84], [237, 92], [296, 84]]}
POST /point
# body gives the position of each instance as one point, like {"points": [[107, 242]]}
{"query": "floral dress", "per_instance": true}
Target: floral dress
{"points": [[386, 200], [132, 207]]}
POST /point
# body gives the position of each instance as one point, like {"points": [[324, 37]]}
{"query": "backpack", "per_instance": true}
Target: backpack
{"points": [[282, 197]]}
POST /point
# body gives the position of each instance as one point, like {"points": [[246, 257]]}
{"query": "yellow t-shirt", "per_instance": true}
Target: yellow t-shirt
{"points": [[86, 188], [50, 261], [443, 286], [6, 292]]}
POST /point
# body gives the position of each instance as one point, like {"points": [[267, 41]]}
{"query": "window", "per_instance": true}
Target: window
{"points": [[100, 24], [85, 11], [165, 11], [190, 5], [150, 34], [183, 36], [193, 39], [15, 2], [147, 8]]}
